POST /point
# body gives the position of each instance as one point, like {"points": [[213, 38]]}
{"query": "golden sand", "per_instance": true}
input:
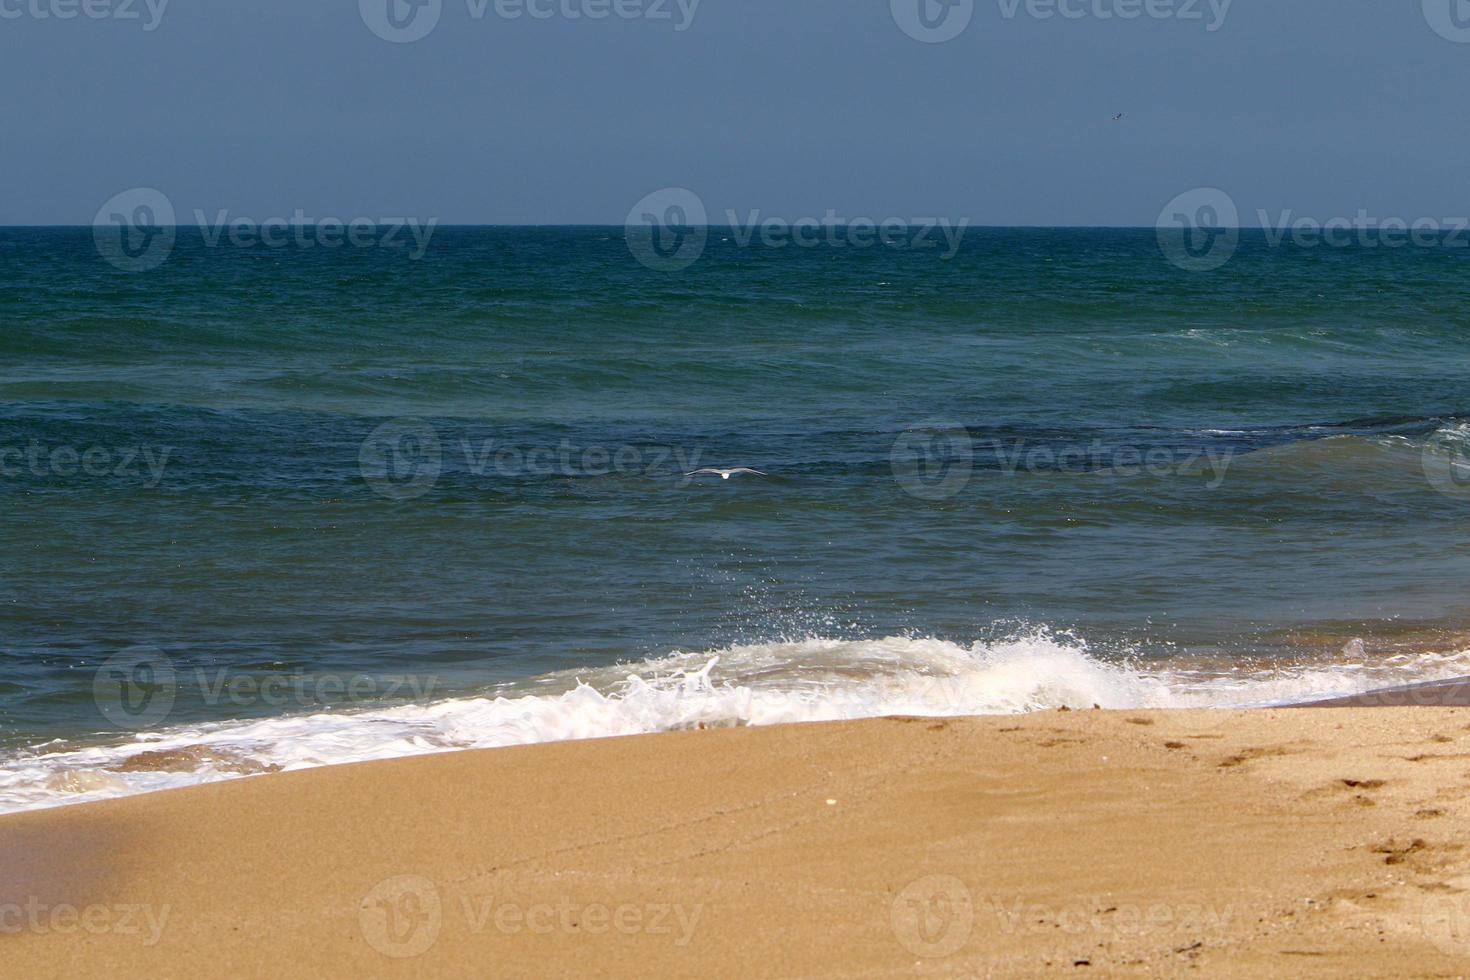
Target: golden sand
{"points": [[1264, 843]]}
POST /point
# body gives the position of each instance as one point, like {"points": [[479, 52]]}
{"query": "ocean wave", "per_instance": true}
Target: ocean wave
{"points": [[752, 684]]}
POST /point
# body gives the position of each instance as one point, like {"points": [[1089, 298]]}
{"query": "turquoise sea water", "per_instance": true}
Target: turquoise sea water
{"points": [[293, 470]]}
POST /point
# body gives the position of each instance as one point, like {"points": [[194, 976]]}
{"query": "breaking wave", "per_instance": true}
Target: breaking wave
{"points": [[755, 684]]}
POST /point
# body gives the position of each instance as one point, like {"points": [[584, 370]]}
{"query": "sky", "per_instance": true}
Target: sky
{"points": [[792, 108]]}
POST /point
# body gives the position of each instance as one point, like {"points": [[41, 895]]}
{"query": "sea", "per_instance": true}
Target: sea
{"points": [[276, 504]]}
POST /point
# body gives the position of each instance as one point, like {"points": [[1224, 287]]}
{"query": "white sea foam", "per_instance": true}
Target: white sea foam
{"points": [[756, 684]]}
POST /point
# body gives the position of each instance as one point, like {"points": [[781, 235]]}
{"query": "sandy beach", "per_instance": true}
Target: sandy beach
{"points": [[1282, 842]]}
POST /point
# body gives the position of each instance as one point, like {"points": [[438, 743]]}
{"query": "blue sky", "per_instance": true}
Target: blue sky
{"points": [[792, 107]]}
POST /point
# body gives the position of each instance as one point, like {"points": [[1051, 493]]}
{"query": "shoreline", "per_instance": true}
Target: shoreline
{"points": [[1450, 692], [1238, 842], [229, 732]]}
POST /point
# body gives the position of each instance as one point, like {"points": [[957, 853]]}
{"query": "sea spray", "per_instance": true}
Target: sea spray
{"points": [[814, 679]]}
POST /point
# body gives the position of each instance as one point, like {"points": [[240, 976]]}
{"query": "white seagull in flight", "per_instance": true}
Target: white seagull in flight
{"points": [[724, 473]]}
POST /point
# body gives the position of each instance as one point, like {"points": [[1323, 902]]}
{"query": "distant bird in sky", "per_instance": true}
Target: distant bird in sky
{"points": [[1117, 117], [725, 474]]}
